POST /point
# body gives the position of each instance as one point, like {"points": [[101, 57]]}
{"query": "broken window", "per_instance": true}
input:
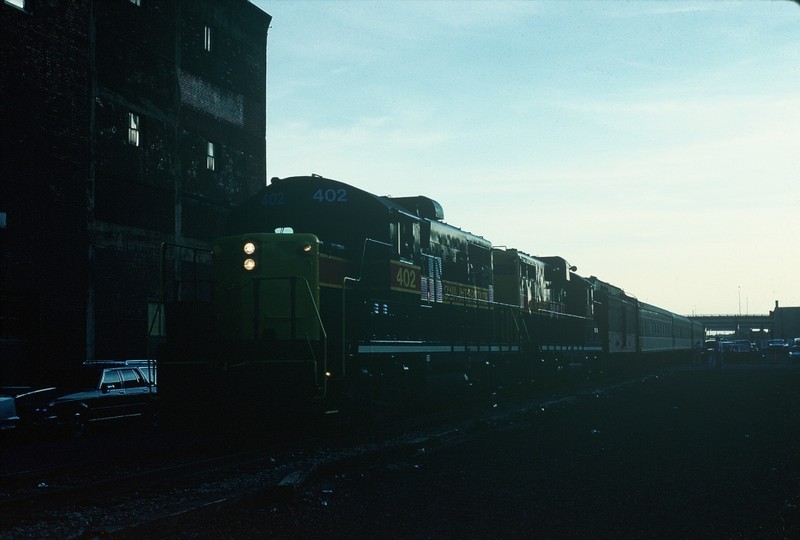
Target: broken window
{"points": [[210, 164], [208, 38], [133, 129]]}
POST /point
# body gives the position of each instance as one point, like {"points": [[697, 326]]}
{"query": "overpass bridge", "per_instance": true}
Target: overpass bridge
{"points": [[744, 326]]}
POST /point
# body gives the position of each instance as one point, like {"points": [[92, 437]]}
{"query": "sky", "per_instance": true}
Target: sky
{"points": [[652, 144]]}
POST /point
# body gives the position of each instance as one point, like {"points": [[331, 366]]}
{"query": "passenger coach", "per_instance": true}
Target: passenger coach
{"points": [[630, 327]]}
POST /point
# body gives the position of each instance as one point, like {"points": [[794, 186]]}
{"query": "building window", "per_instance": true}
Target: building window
{"points": [[210, 164], [16, 3], [208, 38], [133, 129]]}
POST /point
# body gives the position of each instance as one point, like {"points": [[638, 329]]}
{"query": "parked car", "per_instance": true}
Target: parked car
{"points": [[8, 412], [740, 351], [147, 367], [9, 419], [772, 345], [97, 392], [774, 350]]}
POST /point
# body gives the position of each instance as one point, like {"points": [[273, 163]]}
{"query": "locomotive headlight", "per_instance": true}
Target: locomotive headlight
{"points": [[249, 264], [249, 248], [307, 248]]}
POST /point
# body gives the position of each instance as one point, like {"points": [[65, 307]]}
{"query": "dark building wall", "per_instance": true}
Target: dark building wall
{"points": [[43, 171], [152, 61], [223, 102], [101, 206], [135, 59]]}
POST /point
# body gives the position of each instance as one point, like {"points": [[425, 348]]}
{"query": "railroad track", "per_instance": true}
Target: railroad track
{"points": [[161, 500], [109, 496]]}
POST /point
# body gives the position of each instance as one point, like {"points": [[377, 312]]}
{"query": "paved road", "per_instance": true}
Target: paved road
{"points": [[700, 453]]}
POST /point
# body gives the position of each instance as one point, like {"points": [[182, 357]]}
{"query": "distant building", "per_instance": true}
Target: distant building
{"points": [[786, 322], [125, 124]]}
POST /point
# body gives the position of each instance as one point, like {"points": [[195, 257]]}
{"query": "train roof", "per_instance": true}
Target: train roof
{"points": [[277, 204], [420, 206], [600, 285], [280, 203]]}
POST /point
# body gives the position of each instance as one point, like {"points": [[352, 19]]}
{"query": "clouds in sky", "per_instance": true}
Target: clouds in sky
{"points": [[650, 143]]}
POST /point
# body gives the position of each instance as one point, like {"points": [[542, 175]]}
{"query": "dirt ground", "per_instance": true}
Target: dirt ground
{"points": [[698, 453]]}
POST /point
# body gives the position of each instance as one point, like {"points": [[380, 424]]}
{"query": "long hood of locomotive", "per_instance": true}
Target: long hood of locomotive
{"points": [[380, 269], [400, 245]]}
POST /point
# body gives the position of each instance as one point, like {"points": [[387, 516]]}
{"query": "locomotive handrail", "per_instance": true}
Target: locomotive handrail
{"points": [[514, 315], [163, 285], [195, 250], [513, 311], [364, 255], [357, 280], [518, 322], [293, 284], [562, 314]]}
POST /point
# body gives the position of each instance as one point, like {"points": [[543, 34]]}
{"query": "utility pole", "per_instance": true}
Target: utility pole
{"points": [[740, 300]]}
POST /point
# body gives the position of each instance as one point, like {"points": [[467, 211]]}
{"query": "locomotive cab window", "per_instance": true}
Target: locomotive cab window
{"points": [[407, 240]]}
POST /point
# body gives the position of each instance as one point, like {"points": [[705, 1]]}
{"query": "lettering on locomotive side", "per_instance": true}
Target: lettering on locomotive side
{"points": [[404, 277], [456, 293], [273, 199], [330, 195]]}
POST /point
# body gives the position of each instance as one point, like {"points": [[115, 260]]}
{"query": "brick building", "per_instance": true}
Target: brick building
{"points": [[125, 124], [786, 321]]}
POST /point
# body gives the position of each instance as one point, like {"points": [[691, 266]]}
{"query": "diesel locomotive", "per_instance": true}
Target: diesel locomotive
{"points": [[324, 296]]}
